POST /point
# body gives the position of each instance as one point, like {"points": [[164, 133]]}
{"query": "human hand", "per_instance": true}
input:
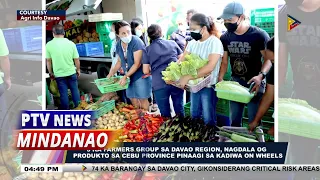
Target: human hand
{"points": [[52, 76], [169, 82], [257, 80], [110, 75], [271, 131], [78, 73], [183, 81], [220, 79], [7, 81], [123, 80], [252, 126]]}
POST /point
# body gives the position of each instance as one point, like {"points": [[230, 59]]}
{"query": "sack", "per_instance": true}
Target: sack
{"points": [[54, 88]]}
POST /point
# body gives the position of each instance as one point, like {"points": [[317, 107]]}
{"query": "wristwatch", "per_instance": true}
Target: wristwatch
{"points": [[263, 74]]}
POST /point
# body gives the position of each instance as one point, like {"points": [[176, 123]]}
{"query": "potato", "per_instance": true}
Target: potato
{"points": [[105, 115], [72, 178], [117, 123], [63, 178], [87, 178], [86, 173], [93, 176], [119, 127], [100, 119], [33, 175], [44, 176]]}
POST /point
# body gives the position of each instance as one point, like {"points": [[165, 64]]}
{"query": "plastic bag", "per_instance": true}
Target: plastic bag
{"points": [[54, 88]]}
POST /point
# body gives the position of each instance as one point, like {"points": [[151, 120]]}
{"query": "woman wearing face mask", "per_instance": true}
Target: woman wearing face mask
{"points": [[207, 45], [156, 58], [114, 56], [130, 49], [137, 29]]}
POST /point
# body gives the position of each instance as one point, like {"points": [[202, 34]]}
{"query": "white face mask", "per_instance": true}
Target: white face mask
{"points": [[139, 33], [112, 35], [127, 39], [182, 28]]}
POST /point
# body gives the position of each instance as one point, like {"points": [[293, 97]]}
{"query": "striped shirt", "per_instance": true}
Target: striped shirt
{"points": [[212, 45]]}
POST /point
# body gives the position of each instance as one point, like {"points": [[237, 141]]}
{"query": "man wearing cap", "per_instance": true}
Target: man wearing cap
{"points": [[245, 46]]}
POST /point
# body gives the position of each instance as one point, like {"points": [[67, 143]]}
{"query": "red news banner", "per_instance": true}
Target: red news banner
{"points": [[41, 15], [62, 130]]}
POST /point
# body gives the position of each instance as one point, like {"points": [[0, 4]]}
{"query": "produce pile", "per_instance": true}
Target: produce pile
{"points": [[234, 136], [109, 97], [141, 129], [189, 66], [64, 176], [109, 81], [233, 87], [297, 109], [111, 121], [185, 130], [88, 106]]}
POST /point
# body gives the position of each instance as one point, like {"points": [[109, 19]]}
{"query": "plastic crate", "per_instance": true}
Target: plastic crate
{"points": [[222, 107], [105, 85], [241, 130], [104, 27], [298, 127], [90, 49], [232, 96], [24, 39], [187, 112], [106, 107], [107, 42], [196, 88], [262, 15]]}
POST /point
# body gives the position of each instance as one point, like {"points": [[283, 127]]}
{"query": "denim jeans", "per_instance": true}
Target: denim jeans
{"points": [[203, 105], [65, 83], [163, 100], [236, 109]]}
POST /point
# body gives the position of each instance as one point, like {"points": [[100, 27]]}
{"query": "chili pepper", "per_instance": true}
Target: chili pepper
{"points": [[149, 128], [130, 136]]}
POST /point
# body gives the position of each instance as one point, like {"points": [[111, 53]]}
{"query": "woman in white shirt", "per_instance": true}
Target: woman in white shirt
{"points": [[207, 45]]}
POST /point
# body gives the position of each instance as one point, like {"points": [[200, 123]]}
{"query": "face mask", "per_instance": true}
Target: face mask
{"points": [[232, 27], [139, 33], [112, 35], [182, 28], [196, 35], [127, 39]]}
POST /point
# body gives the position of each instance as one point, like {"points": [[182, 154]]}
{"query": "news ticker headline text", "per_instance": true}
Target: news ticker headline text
{"points": [[168, 168]]}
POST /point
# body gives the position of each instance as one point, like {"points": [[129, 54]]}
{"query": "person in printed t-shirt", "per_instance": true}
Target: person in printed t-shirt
{"points": [[62, 57], [245, 45], [302, 44], [5, 82]]}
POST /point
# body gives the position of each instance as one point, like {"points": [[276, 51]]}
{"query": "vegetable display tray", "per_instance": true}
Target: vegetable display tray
{"points": [[302, 128], [107, 85], [196, 88], [241, 130], [106, 107], [233, 96]]}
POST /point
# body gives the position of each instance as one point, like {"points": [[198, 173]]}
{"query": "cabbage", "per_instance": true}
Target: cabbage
{"points": [[189, 66], [232, 86], [297, 109]]}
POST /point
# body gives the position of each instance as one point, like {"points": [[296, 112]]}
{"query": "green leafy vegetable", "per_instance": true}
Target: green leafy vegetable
{"points": [[189, 66], [233, 87], [297, 109]]}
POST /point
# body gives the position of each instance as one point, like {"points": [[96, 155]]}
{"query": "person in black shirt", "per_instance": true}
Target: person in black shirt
{"points": [[245, 46], [300, 47], [268, 97]]}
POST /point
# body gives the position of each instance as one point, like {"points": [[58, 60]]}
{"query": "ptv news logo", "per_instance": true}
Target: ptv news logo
{"points": [[292, 22]]}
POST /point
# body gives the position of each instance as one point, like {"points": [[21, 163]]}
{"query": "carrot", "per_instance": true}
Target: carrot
{"points": [[125, 110]]}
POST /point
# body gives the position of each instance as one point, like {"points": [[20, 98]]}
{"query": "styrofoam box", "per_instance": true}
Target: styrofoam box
{"points": [[105, 17]]}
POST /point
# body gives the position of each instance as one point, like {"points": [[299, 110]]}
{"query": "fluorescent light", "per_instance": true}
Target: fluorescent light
{"points": [[52, 2], [97, 3]]}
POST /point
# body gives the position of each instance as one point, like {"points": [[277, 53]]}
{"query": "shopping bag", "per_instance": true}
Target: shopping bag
{"points": [[54, 88]]}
